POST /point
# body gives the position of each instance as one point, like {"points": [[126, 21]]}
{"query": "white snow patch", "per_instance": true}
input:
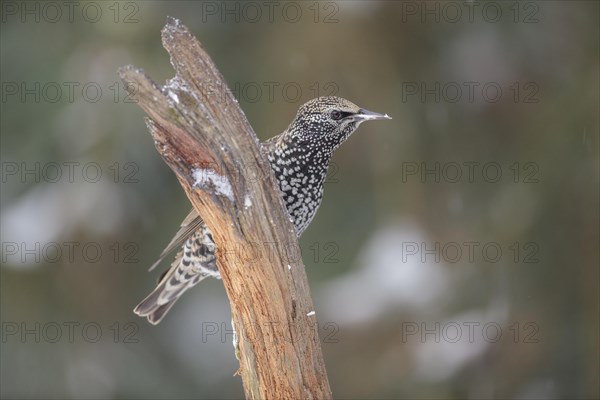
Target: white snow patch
{"points": [[386, 278], [461, 339], [310, 314], [205, 178], [41, 218], [174, 97], [289, 267], [247, 201], [235, 338], [176, 85]]}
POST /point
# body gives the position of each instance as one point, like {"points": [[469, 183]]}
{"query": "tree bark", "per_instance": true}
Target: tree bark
{"points": [[203, 135]]}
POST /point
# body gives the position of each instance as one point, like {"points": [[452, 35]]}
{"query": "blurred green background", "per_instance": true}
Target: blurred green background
{"points": [[455, 254]]}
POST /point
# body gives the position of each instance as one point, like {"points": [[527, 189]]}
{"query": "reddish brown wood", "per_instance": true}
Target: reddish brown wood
{"points": [[198, 124]]}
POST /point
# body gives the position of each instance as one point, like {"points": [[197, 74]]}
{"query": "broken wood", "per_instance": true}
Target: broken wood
{"points": [[203, 135]]}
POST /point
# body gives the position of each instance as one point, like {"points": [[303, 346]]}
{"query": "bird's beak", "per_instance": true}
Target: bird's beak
{"points": [[366, 115]]}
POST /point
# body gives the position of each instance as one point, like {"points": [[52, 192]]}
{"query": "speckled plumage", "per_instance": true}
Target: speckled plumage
{"points": [[299, 158]]}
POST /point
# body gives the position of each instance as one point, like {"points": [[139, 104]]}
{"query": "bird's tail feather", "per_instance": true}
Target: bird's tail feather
{"points": [[155, 306]]}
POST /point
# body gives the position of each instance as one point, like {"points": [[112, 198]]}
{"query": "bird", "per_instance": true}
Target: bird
{"points": [[299, 158]]}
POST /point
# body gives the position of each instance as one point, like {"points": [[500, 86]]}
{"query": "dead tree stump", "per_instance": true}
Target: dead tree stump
{"points": [[203, 135]]}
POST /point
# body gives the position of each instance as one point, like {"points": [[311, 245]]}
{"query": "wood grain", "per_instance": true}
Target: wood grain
{"points": [[197, 125]]}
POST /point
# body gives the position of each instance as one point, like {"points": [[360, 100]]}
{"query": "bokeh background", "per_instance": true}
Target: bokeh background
{"points": [[456, 251]]}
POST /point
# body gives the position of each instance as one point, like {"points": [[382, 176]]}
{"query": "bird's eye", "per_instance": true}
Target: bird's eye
{"points": [[336, 115]]}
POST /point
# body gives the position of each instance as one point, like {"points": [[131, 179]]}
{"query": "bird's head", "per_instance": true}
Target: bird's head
{"points": [[328, 121]]}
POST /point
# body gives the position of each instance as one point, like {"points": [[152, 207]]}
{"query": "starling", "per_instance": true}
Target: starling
{"points": [[299, 158]]}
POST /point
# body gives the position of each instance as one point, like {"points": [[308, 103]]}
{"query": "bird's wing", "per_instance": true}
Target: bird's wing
{"points": [[190, 224], [195, 261]]}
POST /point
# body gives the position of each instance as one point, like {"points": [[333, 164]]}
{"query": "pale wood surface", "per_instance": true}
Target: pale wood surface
{"points": [[197, 124]]}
